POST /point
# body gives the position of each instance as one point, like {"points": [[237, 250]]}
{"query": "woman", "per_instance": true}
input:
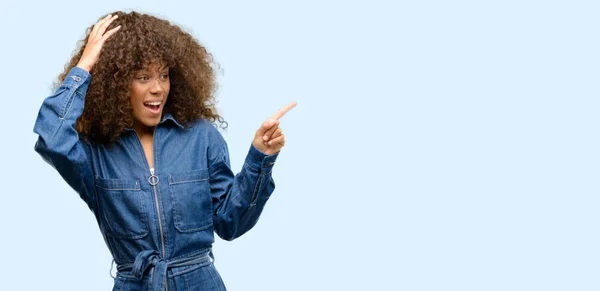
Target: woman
{"points": [[145, 156]]}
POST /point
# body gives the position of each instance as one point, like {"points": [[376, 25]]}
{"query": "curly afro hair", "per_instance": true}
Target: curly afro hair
{"points": [[144, 39]]}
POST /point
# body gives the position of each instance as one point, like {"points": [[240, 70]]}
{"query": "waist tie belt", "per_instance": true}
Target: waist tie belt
{"points": [[158, 266]]}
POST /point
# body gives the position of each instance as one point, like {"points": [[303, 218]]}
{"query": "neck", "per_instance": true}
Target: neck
{"points": [[143, 131]]}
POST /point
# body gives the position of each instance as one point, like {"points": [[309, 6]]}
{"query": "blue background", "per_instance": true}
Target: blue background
{"points": [[436, 145]]}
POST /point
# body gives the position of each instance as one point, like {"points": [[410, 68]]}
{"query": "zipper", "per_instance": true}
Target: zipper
{"points": [[153, 180]]}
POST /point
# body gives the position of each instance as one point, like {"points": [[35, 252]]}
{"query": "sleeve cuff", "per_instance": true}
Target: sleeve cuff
{"points": [[260, 161], [77, 77]]}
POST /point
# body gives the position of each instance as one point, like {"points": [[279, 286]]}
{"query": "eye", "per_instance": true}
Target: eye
{"points": [[164, 76], [143, 78]]}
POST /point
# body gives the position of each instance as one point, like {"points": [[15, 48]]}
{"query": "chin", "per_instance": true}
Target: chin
{"points": [[151, 122], [147, 121]]}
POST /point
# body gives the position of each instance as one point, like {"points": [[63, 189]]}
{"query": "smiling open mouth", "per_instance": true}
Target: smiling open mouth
{"points": [[153, 107]]}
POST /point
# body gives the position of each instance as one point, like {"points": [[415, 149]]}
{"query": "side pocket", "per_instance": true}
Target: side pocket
{"points": [[118, 284], [219, 285], [121, 208], [192, 204]]}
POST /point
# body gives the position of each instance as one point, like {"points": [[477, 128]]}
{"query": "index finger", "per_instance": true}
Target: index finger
{"points": [[283, 111]]}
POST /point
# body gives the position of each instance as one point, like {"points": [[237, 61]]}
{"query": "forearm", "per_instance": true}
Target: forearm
{"points": [[246, 195], [60, 111]]}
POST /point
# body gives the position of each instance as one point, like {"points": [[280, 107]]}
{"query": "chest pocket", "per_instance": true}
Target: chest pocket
{"points": [[192, 204], [121, 208]]}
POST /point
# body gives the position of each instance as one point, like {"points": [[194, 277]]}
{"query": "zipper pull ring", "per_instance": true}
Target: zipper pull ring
{"points": [[153, 180]]}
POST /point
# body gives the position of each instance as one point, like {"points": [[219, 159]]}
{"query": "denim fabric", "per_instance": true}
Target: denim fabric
{"points": [[202, 276], [155, 218]]}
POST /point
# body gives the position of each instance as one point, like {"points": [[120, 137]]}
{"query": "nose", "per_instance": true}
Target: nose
{"points": [[156, 87]]}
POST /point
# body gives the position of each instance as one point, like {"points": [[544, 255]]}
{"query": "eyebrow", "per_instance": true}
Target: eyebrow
{"points": [[163, 66], [161, 69]]}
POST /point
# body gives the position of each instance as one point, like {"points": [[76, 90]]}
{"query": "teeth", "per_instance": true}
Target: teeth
{"points": [[153, 103]]}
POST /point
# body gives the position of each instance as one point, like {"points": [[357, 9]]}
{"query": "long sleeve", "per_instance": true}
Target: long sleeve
{"points": [[59, 143], [239, 200]]}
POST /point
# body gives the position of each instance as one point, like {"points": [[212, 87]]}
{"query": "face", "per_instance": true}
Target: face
{"points": [[148, 93]]}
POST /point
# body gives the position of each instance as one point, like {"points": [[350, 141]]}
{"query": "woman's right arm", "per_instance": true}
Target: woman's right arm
{"points": [[59, 143]]}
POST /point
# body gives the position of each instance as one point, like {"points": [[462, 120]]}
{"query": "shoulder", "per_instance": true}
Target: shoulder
{"points": [[206, 130], [207, 134]]}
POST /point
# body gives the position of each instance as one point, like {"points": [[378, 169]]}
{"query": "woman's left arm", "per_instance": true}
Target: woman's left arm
{"points": [[239, 200]]}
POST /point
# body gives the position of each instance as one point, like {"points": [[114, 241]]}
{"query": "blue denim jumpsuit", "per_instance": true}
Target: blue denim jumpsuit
{"points": [[158, 223]]}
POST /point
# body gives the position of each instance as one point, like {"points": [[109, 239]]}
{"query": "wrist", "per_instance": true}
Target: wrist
{"points": [[85, 67]]}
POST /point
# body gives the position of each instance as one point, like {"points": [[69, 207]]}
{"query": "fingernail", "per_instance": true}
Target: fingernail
{"points": [[265, 137], [271, 122], [270, 142]]}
